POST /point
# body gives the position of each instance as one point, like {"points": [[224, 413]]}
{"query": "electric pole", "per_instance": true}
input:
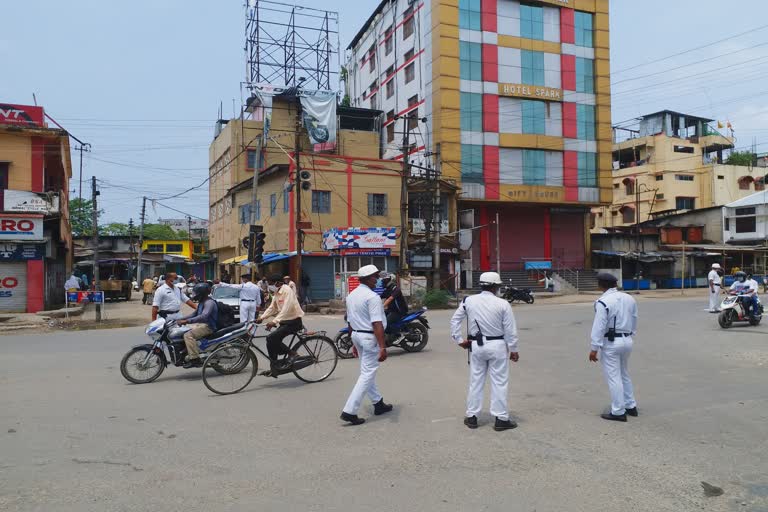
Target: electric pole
{"points": [[83, 147], [297, 186], [254, 217], [95, 227], [405, 172], [437, 221], [130, 238], [141, 237]]}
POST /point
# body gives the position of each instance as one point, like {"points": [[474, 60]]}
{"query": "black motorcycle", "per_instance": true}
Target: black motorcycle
{"points": [[511, 294]]}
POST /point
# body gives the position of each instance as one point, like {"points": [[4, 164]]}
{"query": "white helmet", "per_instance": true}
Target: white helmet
{"points": [[367, 270], [716, 266], [489, 278]]}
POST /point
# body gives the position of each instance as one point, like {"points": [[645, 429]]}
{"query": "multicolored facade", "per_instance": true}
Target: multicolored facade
{"points": [[516, 96]]}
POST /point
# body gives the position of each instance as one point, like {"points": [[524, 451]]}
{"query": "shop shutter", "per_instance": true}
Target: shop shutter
{"points": [[568, 239], [320, 272], [13, 287]]}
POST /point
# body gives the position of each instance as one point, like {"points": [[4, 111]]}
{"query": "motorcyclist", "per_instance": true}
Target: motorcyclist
{"points": [[202, 323], [395, 305], [748, 295]]}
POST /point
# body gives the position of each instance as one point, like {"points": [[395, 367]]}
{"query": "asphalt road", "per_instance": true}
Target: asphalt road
{"points": [[74, 436]]}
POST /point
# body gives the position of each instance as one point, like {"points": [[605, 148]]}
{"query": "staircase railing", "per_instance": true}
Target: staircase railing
{"points": [[566, 272]]}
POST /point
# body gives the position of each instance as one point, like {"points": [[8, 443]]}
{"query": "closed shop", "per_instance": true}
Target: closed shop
{"points": [[320, 273], [521, 236], [13, 287], [568, 239]]}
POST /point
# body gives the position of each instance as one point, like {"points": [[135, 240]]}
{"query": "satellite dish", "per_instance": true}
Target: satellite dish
{"points": [[465, 239]]}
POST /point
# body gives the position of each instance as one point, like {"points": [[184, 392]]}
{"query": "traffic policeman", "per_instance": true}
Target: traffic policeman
{"points": [[367, 321], [492, 342], [612, 330], [168, 300], [715, 284], [250, 297]]}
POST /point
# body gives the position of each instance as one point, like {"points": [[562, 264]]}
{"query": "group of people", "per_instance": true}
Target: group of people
{"points": [[491, 338], [75, 283], [743, 285]]}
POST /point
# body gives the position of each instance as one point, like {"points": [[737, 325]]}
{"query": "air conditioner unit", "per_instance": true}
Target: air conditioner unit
{"points": [[659, 196]]}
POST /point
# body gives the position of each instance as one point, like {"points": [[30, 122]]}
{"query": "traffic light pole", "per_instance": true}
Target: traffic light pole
{"points": [[297, 187]]}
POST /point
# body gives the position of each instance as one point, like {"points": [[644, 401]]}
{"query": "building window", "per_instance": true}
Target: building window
{"points": [[727, 224], [584, 30], [273, 205], [391, 83], [174, 248], [744, 182], [373, 101], [683, 177], [585, 122], [469, 14], [684, 149], [372, 58], [388, 41], [410, 72], [472, 163], [252, 160], [746, 211], [533, 67], [534, 116], [244, 214], [471, 105], [629, 186], [585, 75], [155, 248], [286, 201], [321, 201], [377, 205], [685, 203], [587, 170], [408, 23], [746, 224], [659, 177], [391, 126], [534, 167], [3, 175], [531, 22], [408, 55], [627, 214], [471, 61], [413, 115]]}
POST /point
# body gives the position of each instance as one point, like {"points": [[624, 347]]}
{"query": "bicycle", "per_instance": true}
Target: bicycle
{"points": [[316, 360]]}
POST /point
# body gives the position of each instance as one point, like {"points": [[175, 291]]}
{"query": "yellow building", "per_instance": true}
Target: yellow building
{"points": [[672, 162], [182, 248], [515, 97]]}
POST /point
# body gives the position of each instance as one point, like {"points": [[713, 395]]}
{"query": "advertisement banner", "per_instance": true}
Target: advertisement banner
{"points": [[85, 297], [21, 115], [319, 116], [359, 238], [21, 252], [30, 202], [21, 227]]}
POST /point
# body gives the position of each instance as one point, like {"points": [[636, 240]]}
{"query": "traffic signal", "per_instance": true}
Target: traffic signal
{"points": [[304, 177], [256, 238], [259, 251]]}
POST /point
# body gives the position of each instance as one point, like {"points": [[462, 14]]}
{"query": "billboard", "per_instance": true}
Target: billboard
{"points": [[21, 227], [21, 115], [360, 238]]}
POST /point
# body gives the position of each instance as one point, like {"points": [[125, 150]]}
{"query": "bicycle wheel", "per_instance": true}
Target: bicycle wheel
{"points": [[230, 356], [322, 353]]}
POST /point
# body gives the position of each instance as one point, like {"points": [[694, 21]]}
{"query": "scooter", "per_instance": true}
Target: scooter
{"points": [[411, 334], [144, 363], [511, 294], [734, 309]]}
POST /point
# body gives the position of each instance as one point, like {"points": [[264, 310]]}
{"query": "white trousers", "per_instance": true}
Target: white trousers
{"points": [[714, 299], [615, 362], [493, 358], [368, 352], [247, 311]]}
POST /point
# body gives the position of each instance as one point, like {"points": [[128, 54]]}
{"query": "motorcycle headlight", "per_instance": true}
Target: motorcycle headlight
{"points": [[155, 329]]}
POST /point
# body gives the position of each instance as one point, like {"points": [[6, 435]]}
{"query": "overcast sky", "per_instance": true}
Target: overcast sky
{"points": [[142, 81]]}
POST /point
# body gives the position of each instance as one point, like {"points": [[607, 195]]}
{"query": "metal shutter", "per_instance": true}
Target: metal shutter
{"points": [[568, 239], [13, 287]]}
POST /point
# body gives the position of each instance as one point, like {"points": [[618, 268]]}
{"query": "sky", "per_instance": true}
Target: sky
{"points": [[142, 81]]}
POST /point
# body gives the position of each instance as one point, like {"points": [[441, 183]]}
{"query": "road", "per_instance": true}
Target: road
{"points": [[74, 436]]}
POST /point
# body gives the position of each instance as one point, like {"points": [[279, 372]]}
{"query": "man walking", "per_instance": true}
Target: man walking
{"points": [[612, 330], [715, 283], [492, 342], [147, 286], [366, 319], [168, 300], [250, 297]]}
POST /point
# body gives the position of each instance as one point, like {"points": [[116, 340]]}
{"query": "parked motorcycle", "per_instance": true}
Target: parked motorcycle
{"points": [[511, 294], [411, 334], [144, 363], [734, 309]]}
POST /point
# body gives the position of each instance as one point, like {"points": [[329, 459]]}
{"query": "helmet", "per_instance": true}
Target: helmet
{"points": [[740, 276], [367, 271], [490, 278], [716, 266], [201, 290]]}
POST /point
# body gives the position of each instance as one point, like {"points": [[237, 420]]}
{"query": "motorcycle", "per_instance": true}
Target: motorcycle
{"points": [[734, 309], [511, 294], [145, 363], [410, 333]]}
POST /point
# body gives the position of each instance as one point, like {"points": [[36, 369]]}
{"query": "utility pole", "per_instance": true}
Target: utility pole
{"points": [[405, 172], [130, 238], [637, 237], [254, 205], [83, 147], [437, 220], [297, 186], [189, 228], [95, 227], [141, 237]]}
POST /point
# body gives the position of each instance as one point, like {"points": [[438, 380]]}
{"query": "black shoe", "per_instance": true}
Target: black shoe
{"points": [[193, 363], [632, 412], [504, 425], [380, 408], [352, 418], [612, 417], [471, 422]]}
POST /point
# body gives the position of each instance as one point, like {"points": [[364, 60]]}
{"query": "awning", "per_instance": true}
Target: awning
{"points": [[236, 259], [175, 258], [272, 257]]}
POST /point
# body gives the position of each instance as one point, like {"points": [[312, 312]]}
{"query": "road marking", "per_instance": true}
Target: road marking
{"points": [[452, 418]]}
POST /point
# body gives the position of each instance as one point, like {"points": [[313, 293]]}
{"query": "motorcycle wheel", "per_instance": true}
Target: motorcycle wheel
{"points": [[755, 321], [530, 299], [343, 344], [725, 318], [415, 337], [134, 369]]}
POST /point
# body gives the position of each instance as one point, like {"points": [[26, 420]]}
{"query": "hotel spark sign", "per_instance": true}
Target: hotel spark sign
{"points": [[531, 91]]}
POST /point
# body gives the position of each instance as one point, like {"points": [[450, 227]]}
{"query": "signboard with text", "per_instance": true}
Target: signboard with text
{"points": [[21, 252], [21, 227], [360, 238], [28, 202], [85, 297], [21, 115], [537, 92]]}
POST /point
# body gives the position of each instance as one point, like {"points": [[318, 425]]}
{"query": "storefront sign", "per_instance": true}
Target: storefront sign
{"points": [[534, 194], [359, 238], [28, 202], [531, 91], [559, 3], [7, 285], [85, 297], [16, 227], [365, 252], [21, 115], [21, 252], [352, 283]]}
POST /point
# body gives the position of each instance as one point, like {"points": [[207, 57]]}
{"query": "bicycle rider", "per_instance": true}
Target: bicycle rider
{"points": [[284, 313]]}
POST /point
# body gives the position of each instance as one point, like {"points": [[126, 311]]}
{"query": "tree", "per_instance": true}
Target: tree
{"points": [[745, 158], [115, 229], [159, 232], [80, 217]]}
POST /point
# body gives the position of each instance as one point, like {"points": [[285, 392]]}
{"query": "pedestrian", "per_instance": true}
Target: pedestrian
{"points": [[147, 287], [367, 321], [287, 280], [614, 326], [492, 343], [715, 285], [168, 300], [84, 281], [250, 297], [72, 284]]}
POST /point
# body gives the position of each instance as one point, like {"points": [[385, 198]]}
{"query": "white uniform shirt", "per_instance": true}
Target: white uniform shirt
{"points": [[248, 291], [753, 284], [489, 314], [613, 306], [364, 307], [169, 298], [714, 277], [72, 282]]}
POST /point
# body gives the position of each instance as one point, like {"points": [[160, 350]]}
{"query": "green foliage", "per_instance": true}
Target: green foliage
{"points": [[744, 158], [114, 229], [346, 101], [80, 217], [161, 232], [437, 299]]}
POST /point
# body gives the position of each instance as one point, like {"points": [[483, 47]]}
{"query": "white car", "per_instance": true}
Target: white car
{"points": [[179, 282], [230, 297]]}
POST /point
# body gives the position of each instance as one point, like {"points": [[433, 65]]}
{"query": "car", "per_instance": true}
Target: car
{"points": [[179, 282], [228, 296]]}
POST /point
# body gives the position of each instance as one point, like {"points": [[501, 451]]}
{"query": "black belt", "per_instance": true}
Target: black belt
{"points": [[364, 332], [247, 300], [165, 313], [480, 339], [620, 334]]}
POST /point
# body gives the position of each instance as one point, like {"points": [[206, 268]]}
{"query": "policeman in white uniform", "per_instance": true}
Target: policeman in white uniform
{"points": [[612, 330], [492, 342], [250, 297], [168, 300], [366, 318], [715, 284]]}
